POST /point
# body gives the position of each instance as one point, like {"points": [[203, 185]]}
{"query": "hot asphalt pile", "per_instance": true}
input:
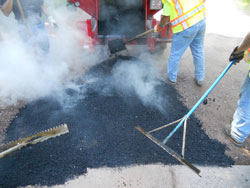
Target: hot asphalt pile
{"points": [[102, 134]]}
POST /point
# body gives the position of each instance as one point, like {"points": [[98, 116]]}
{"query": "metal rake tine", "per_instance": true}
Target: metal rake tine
{"points": [[164, 126], [184, 138], [33, 139], [169, 150]]}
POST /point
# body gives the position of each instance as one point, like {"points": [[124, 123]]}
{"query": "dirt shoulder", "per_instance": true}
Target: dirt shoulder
{"points": [[7, 114]]}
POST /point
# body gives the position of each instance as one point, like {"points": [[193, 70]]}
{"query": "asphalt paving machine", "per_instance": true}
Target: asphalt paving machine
{"points": [[122, 19]]}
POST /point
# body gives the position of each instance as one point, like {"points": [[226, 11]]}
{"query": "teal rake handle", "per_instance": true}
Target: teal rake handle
{"points": [[199, 102]]}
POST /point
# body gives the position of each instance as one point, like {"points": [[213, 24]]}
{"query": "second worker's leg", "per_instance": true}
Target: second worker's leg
{"points": [[180, 42], [197, 49]]}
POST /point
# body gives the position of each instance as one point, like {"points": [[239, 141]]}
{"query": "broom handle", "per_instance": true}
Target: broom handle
{"points": [[145, 33], [21, 12], [199, 102]]}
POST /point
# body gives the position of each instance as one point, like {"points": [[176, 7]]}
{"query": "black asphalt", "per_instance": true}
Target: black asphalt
{"points": [[102, 134]]}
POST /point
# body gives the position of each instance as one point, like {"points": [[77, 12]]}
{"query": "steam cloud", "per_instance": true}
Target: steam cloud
{"points": [[24, 77], [141, 79]]}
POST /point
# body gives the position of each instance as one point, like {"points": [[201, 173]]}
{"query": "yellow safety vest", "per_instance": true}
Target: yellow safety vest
{"points": [[185, 13], [247, 57]]}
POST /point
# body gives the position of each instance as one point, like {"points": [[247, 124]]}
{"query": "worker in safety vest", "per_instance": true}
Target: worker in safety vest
{"points": [[187, 18], [239, 129]]}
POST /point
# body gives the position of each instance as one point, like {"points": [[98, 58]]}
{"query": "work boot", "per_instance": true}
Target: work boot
{"points": [[198, 82], [165, 79], [227, 131], [171, 82]]}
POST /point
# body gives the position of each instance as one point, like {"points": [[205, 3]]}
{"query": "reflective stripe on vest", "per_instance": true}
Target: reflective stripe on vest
{"points": [[186, 14], [247, 56], [179, 10], [178, 7]]}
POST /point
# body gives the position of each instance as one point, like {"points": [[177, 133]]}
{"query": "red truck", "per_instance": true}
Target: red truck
{"points": [[122, 19]]}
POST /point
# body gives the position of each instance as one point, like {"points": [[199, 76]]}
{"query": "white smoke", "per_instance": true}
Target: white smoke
{"points": [[23, 76], [140, 78]]}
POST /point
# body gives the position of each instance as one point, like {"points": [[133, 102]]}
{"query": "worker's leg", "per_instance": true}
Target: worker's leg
{"points": [[197, 49], [180, 42], [41, 38], [24, 33], [36, 36], [241, 121]]}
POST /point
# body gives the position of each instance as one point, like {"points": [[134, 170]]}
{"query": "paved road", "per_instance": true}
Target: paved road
{"points": [[213, 116], [159, 176]]}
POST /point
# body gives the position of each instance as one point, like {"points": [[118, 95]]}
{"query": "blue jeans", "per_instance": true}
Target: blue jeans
{"points": [[193, 37], [241, 121], [36, 36]]}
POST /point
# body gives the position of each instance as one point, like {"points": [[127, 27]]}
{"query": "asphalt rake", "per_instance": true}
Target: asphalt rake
{"points": [[182, 121]]}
